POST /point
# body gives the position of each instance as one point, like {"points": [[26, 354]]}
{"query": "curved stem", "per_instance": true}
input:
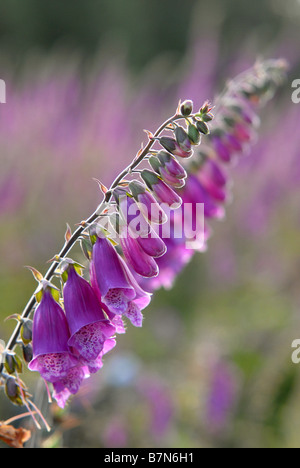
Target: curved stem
{"points": [[75, 236]]}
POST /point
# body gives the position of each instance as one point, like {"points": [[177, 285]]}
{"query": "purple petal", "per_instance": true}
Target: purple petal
{"points": [[111, 281], [53, 366], [142, 263], [89, 340], [134, 314]]}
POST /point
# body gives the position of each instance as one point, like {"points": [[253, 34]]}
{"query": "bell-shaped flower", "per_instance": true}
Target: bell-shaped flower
{"points": [[88, 325], [50, 336], [213, 179], [171, 145], [148, 205], [109, 279], [195, 193], [141, 301], [135, 255], [172, 166], [138, 226], [162, 192]]}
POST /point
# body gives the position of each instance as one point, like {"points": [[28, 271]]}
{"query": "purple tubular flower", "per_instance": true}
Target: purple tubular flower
{"points": [[141, 262], [141, 301], [173, 147], [182, 139], [233, 143], [194, 192], [145, 236], [170, 179], [170, 265], [161, 190], [87, 323], [147, 203], [243, 132], [51, 355], [172, 165], [221, 149], [152, 245], [109, 278], [94, 366], [213, 179]]}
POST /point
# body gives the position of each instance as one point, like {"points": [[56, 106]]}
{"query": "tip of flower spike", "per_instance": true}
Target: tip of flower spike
{"points": [[206, 108]]}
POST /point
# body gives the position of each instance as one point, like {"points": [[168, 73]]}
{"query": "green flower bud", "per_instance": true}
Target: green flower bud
{"points": [[186, 108], [27, 352], [202, 127], [13, 392], [26, 331], [182, 139], [9, 363], [155, 163], [193, 134]]}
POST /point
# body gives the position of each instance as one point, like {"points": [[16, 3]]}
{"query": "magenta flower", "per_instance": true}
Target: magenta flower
{"points": [[87, 323], [173, 147], [147, 203], [213, 179], [51, 354], [109, 278], [161, 190], [171, 165], [194, 192], [220, 148], [138, 226], [135, 255], [170, 179], [94, 366], [139, 303]]}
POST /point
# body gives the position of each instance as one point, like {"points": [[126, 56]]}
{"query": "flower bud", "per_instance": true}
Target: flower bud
{"points": [[155, 164], [171, 164], [182, 139], [162, 191], [27, 352], [12, 391], [173, 147], [207, 117], [160, 168], [9, 363], [12, 362], [202, 127], [186, 108], [194, 134], [26, 331]]}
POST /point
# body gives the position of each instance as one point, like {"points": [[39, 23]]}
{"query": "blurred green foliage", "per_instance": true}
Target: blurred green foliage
{"points": [[142, 28]]}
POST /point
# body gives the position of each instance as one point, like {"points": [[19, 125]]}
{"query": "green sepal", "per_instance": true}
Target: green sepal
{"points": [[194, 134]]}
